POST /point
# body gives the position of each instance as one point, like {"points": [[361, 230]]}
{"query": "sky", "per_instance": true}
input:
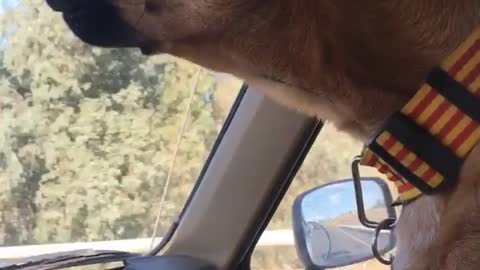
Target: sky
{"points": [[335, 200], [3, 5], [7, 3]]}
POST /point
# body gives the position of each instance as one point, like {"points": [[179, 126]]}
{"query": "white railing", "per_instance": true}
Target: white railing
{"points": [[268, 239]]}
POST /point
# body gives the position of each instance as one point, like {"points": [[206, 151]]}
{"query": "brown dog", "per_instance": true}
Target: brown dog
{"points": [[351, 62]]}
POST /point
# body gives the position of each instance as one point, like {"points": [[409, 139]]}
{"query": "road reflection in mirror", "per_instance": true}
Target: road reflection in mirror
{"points": [[332, 233]]}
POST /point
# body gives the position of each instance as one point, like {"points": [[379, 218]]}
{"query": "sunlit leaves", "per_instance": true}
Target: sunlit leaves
{"points": [[87, 134]]}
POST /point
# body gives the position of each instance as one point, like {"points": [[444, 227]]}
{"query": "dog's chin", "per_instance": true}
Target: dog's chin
{"points": [[100, 25]]}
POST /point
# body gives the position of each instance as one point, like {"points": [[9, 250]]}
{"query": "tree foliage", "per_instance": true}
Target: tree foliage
{"points": [[87, 134]]}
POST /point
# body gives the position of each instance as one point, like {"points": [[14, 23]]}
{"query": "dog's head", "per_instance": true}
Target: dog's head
{"points": [[332, 59], [235, 36], [150, 25]]}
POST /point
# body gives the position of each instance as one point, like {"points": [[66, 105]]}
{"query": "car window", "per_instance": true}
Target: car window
{"points": [[329, 160], [96, 144]]}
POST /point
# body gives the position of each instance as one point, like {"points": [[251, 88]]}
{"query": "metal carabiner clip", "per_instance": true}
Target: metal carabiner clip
{"points": [[387, 224], [357, 182]]}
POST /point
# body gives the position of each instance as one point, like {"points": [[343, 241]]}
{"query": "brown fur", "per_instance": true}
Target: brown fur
{"points": [[351, 62], [346, 61]]}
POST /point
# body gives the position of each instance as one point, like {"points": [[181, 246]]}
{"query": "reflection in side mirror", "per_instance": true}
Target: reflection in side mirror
{"points": [[328, 233]]}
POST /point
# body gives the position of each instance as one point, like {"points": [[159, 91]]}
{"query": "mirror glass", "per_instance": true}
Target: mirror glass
{"points": [[331, 231]]}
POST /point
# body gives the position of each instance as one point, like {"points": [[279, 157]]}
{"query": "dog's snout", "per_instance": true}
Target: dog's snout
{"points": [[69, 5], [100, 22], [58, 5]]}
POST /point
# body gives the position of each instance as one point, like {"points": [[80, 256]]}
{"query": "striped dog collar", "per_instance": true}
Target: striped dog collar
{"points": [[422, 147]]}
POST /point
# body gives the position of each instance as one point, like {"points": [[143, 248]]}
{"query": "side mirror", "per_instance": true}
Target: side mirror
{"points": [[328, 233]]}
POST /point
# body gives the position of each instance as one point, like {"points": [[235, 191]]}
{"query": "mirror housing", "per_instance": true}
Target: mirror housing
{"points": [[327, 230]]}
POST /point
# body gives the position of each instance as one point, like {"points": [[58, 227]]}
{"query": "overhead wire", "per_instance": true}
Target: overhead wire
{"points": [[181, 134]]}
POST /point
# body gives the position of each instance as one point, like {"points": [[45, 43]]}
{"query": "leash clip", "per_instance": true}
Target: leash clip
{"points": [[362, 216], [387, 224]]}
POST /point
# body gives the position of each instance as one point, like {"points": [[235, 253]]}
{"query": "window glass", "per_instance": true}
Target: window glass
{"points": [[329, 160], [88, 136]]}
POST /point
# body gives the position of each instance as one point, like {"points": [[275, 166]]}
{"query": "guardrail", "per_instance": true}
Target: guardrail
{"points": [[268, 239]]}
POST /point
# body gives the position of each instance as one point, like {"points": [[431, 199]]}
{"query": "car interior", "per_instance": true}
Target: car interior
{"points": [[235, 180]]}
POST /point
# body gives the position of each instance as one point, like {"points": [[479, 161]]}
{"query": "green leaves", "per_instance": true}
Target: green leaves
{"points": [[87, 134]]}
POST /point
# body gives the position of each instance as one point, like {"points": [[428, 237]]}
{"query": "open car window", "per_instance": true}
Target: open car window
{"points": [[96, 144]]}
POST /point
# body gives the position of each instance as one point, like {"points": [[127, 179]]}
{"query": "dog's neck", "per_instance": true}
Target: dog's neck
{"points": [[356, 76], [353, 63]]}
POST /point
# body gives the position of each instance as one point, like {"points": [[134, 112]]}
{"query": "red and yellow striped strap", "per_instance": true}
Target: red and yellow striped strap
{"points": [[424, 145]]}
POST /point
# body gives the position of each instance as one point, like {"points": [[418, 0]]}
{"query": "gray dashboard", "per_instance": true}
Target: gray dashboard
{"points": [[167, 263]]}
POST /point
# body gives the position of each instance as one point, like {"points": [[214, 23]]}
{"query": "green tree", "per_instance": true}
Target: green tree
{"points": [[87, 134]]}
